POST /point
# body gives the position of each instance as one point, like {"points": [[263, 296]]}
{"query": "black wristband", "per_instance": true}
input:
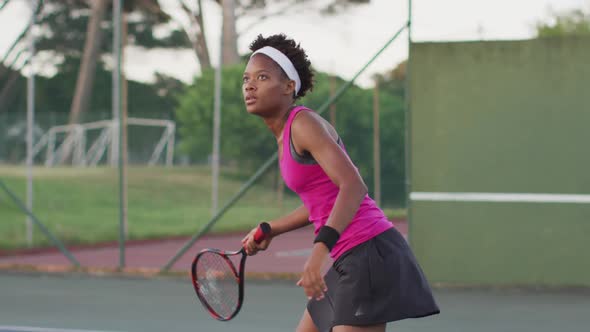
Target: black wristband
{"points": [[328, 236]]}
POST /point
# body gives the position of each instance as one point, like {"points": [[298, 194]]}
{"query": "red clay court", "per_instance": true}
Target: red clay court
{"points": [[286, 255]]}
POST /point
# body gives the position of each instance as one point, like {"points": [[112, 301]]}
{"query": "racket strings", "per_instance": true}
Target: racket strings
{"points": [[218, 284]]}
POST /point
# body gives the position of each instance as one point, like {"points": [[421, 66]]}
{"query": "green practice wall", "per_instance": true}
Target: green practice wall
{"points": [[501, 117]]}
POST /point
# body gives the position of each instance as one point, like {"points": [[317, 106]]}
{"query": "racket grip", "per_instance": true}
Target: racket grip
{"points": [[262, 232]]}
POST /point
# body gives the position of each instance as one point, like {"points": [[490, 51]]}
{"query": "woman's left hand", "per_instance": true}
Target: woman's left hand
{"points": [[311, 279]]}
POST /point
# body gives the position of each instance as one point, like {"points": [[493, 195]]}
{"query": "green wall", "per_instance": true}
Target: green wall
{"points": [[501, 117]]}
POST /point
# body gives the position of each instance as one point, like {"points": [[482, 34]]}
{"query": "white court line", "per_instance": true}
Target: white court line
{"points": [[40, 329], [500, 197], [293, 253]]}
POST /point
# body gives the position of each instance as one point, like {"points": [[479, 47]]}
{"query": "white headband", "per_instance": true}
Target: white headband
{"points": [[282, 60]]}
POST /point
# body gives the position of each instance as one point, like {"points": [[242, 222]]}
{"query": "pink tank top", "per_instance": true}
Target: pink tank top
{"points": [[318, 194]]}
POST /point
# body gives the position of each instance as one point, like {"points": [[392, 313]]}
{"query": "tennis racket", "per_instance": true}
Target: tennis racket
{"points": [[218, 284]]}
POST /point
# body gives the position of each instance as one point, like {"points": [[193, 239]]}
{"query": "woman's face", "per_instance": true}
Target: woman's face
{"points": [[265, 87]]}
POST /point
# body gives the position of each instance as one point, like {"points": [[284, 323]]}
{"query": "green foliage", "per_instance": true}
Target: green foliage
{"points": [[574, 22], [244, 138], [246, 141], [64, 29], [54, 94], [394, 80]]}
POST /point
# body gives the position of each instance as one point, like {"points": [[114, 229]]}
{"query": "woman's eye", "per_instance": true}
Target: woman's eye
{"points": [[244, 79], [262, 77]]}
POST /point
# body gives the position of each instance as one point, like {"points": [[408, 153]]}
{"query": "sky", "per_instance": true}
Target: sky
{"points": [[340, 44]]}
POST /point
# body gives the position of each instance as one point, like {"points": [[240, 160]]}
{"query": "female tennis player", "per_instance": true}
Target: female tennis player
{"points": [[375, 278]]}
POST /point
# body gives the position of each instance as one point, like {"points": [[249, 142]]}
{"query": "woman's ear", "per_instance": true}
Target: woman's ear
{"points": [[290, 88]]}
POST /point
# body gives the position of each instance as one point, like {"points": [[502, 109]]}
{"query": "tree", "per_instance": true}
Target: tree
{"points": [[12, 71], [247, 142], [65, 25], [242, 134], [394, 80], [89, 59], [3, 3], [573, 22], [230, 54], [54, 94], [260, 10], [9, 87], [196, 34], [148, 9]]}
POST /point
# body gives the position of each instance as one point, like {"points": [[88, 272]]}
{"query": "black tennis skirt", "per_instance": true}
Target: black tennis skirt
{"points": [[376, 282]]}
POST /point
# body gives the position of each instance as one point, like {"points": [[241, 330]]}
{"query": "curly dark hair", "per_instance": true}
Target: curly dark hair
{"points": [[294, 52]]}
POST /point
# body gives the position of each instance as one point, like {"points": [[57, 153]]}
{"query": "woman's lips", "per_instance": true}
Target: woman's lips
{"points": [[250, 100]]}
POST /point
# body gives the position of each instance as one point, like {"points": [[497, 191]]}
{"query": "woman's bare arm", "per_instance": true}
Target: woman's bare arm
{"points": [[296, 219], [311, 134]]}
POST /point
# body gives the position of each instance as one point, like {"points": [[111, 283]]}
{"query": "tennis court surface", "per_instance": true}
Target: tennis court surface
{"points": [[77, 303]]}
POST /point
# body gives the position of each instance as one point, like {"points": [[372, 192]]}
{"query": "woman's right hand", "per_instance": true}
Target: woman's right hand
{"points": [[252, 248]]}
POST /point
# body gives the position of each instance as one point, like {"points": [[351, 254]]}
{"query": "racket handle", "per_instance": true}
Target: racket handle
{"points": [[262, 232]]}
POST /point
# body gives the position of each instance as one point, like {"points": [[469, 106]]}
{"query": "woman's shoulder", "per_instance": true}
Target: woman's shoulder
{"points": [[298, 109], [305, 117], [303, 107], [311, 125]]}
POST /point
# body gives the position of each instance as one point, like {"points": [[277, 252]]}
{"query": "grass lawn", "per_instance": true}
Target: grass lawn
{"points": [[81, 205]]}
